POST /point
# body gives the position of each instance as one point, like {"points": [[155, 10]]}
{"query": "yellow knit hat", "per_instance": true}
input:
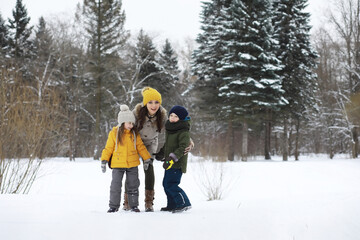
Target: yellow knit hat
{"points": [[149, 94]]}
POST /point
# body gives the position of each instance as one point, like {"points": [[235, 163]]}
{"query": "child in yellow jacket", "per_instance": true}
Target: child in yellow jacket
{"points": [[124, 145]]}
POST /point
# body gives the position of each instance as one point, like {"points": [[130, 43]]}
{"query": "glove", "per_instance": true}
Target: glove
{"points": [[103, 165], [169, 161], [159, 156], [147, 163]]}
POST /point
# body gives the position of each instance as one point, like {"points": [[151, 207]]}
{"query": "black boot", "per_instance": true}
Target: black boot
{"points": [[166, 209], [112, 210]]}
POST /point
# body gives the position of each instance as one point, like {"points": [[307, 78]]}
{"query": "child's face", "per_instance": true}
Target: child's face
{"points": [[128, 125], [152, 107], [173, 118]]}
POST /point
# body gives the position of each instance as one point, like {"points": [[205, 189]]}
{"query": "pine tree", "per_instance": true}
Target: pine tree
{"points": [[4, 38], [146, 57], [43, 58], [298, 57], [249, 67], [170, 76], [206, 57], [104, 22], [20, 32], [43, 40]]}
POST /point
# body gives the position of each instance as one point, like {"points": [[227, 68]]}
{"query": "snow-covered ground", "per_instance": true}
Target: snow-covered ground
{"points": [[314, 199]]}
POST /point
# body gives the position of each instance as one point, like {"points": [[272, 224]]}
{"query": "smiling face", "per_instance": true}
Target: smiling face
{"points": [[173, 118], [152, 107], [128, 125]]}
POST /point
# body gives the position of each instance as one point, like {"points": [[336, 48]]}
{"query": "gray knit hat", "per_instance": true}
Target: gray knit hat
{"points": [[125, 115]]}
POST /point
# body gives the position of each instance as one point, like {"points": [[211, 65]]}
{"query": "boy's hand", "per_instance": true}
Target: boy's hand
{"points": [[169, 161], [103, 165]]}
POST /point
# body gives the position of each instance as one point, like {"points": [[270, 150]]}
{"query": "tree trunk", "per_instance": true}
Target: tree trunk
{"points": [[355, 143], [290, 136], [244, 153], [231, 151], [285, 141], [97, 124], [296, 153], [267, 136]]}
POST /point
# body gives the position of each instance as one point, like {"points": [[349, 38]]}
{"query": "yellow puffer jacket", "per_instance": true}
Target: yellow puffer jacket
{"points": [[125, 156]]}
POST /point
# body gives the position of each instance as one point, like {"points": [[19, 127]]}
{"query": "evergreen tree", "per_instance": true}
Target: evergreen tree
{"points": [[43, 40], [298, 57], [104, 22], [170, 76], [292, 30], [206, 57], [146, 57], [20, 32], [249, 66], [4, 38], [43, 58]]}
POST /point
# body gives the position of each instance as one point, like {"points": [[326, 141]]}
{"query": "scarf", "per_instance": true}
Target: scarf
{"points": [[174, 127]]}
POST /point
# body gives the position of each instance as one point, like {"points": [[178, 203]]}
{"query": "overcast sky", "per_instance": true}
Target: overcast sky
{"points": [[174, 19]]}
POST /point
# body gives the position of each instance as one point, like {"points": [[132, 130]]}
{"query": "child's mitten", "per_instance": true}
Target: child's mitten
{"points": [[159, 156], [147, 163], [169, 161], [103, 165]]}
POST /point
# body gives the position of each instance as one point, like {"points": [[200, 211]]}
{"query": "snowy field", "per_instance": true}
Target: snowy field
{"points": [[314, 199]]}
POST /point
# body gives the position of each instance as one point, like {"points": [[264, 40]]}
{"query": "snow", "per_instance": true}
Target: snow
{"points": [[314, 198]]}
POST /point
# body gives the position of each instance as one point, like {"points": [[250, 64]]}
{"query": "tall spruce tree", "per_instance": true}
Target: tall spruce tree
{"points": [[4, 39], [292, 31], [146, 56], [249, 67], [104, 20], [169, 76], [236, 56], [205, 59], [43, 61], [43, 40], [20, 32]]}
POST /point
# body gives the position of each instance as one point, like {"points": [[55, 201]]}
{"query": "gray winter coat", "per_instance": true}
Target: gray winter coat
{"points": [[149, 134]]}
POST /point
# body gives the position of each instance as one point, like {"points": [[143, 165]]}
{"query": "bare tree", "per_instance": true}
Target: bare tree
{"points": [[26, 125]]}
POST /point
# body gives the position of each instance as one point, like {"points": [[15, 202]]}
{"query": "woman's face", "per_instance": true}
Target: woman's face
{"points": [[152, 107]]}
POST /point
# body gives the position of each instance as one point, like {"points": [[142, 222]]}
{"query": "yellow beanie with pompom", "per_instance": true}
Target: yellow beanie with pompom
{"points": [[149, 94]]}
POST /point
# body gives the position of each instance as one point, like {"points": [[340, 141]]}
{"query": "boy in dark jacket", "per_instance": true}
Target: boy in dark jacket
{"points": [[176, 140]]}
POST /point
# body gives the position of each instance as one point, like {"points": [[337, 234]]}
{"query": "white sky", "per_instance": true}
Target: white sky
{"points": [[174, 19]]}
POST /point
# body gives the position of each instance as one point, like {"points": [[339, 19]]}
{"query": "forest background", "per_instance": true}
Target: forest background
{"points": [[256, 81]]}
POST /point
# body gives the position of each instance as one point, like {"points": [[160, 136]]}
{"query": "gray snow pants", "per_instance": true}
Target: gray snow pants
{"points": [[132, 182]]}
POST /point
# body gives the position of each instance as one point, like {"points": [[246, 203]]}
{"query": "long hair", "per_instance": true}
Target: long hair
{"points": [[142, 116], [121, 133]]}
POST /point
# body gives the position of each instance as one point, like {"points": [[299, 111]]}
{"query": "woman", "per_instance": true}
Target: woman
{"points": [[150, 121]]}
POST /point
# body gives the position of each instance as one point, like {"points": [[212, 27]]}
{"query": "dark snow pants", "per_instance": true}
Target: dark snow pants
{"points": [[132, 182], [176, 197]]}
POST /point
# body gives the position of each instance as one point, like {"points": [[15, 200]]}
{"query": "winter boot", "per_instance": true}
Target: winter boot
{"points": [[149, 200], [135, 209], [166, 209], [126, 205], [112, 210]]}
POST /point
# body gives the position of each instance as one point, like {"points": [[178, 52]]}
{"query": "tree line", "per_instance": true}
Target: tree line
{"points": [[255, 83]]}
